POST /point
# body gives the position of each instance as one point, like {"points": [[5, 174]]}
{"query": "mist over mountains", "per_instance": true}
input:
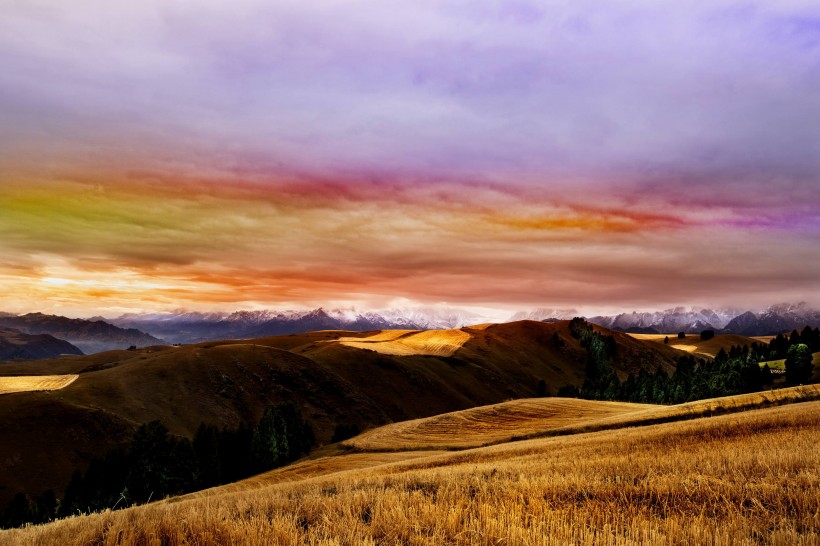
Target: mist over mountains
{"points": [[90, 336], [145, 329], [186, 327], [15, 345], [775, 319]]}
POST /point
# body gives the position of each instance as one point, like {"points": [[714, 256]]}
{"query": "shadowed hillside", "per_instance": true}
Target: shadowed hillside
{"points": [[90, 336], [46, 435], [736, 479], [15, 345]]}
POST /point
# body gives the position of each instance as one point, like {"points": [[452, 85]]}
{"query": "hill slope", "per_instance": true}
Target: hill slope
{"points": [[693, 344], [490, 424], [44, 436], [739, 479]]}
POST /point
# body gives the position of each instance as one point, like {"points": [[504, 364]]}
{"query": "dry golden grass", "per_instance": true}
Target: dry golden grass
{"points": [[693, 344], [763, 339], [479, 327], [743, 479], [334, 462], [537, 417], [490, 424], [35, 383], [692, 410], [411, 342], [382, 335]]}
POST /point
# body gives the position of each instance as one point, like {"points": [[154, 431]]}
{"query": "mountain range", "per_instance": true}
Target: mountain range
{"points": [[15, 345], [775, 319], [90, 336], [186, 327], [145, 329]]}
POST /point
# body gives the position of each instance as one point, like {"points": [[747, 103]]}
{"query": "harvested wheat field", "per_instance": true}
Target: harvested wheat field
{"points": [[490, 424], [690, 410], [747, 478], [30, 383], [334, 463], [411, 342], [538, 417], [693, 344]]}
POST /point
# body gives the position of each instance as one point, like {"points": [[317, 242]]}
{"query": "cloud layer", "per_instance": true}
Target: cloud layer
{"points": [[510, 154]]}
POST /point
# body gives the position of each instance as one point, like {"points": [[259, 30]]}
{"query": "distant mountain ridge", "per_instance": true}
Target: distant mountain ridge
{"points": [[678, 319], [776, 319], [144, 329], [90, 336], [545, 313], [187, 327], [15, 345]]}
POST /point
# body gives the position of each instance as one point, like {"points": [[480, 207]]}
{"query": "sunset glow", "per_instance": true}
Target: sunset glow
{"points": [[505, 155]]}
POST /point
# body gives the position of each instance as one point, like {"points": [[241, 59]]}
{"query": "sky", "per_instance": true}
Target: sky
{"points": [[496, 155]]}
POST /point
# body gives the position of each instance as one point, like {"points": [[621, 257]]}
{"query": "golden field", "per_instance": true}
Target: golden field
{"points": [[32, 383], [750, 477], [537, 417], [490, 424], [693, 344], [411, 342]]}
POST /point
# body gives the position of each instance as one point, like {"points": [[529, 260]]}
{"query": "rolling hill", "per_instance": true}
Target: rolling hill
{"points": [[16, 345], [736, 479], [693, 344], [489, 424], [44, 436], [538, 417]]}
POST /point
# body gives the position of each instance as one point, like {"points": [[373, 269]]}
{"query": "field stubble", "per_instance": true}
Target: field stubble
{"points": [[12, 384], [745, 478]]}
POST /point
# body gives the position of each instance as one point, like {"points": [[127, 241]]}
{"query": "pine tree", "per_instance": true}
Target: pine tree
{"points": [[799, 366]]}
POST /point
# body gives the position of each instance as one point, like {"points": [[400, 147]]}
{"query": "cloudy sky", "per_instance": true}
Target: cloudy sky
{"points": [[501, 155]]}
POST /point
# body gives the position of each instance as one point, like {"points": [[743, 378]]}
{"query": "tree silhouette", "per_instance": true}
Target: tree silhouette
{"points": [[799, 366]]}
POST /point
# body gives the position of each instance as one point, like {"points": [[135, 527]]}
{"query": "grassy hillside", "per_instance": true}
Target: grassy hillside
{"points": [[519, 419], [44, 436], [781, 364], [746, 478], [490, 424], [693, 344]]}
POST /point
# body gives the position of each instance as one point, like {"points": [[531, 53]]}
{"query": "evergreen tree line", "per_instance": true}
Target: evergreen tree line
{"points": [[779, 346], [735, 372], [157, 464], [601, 382]]}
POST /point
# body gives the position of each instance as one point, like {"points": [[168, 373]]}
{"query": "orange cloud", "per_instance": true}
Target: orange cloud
{"points": [[149, 244]]}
